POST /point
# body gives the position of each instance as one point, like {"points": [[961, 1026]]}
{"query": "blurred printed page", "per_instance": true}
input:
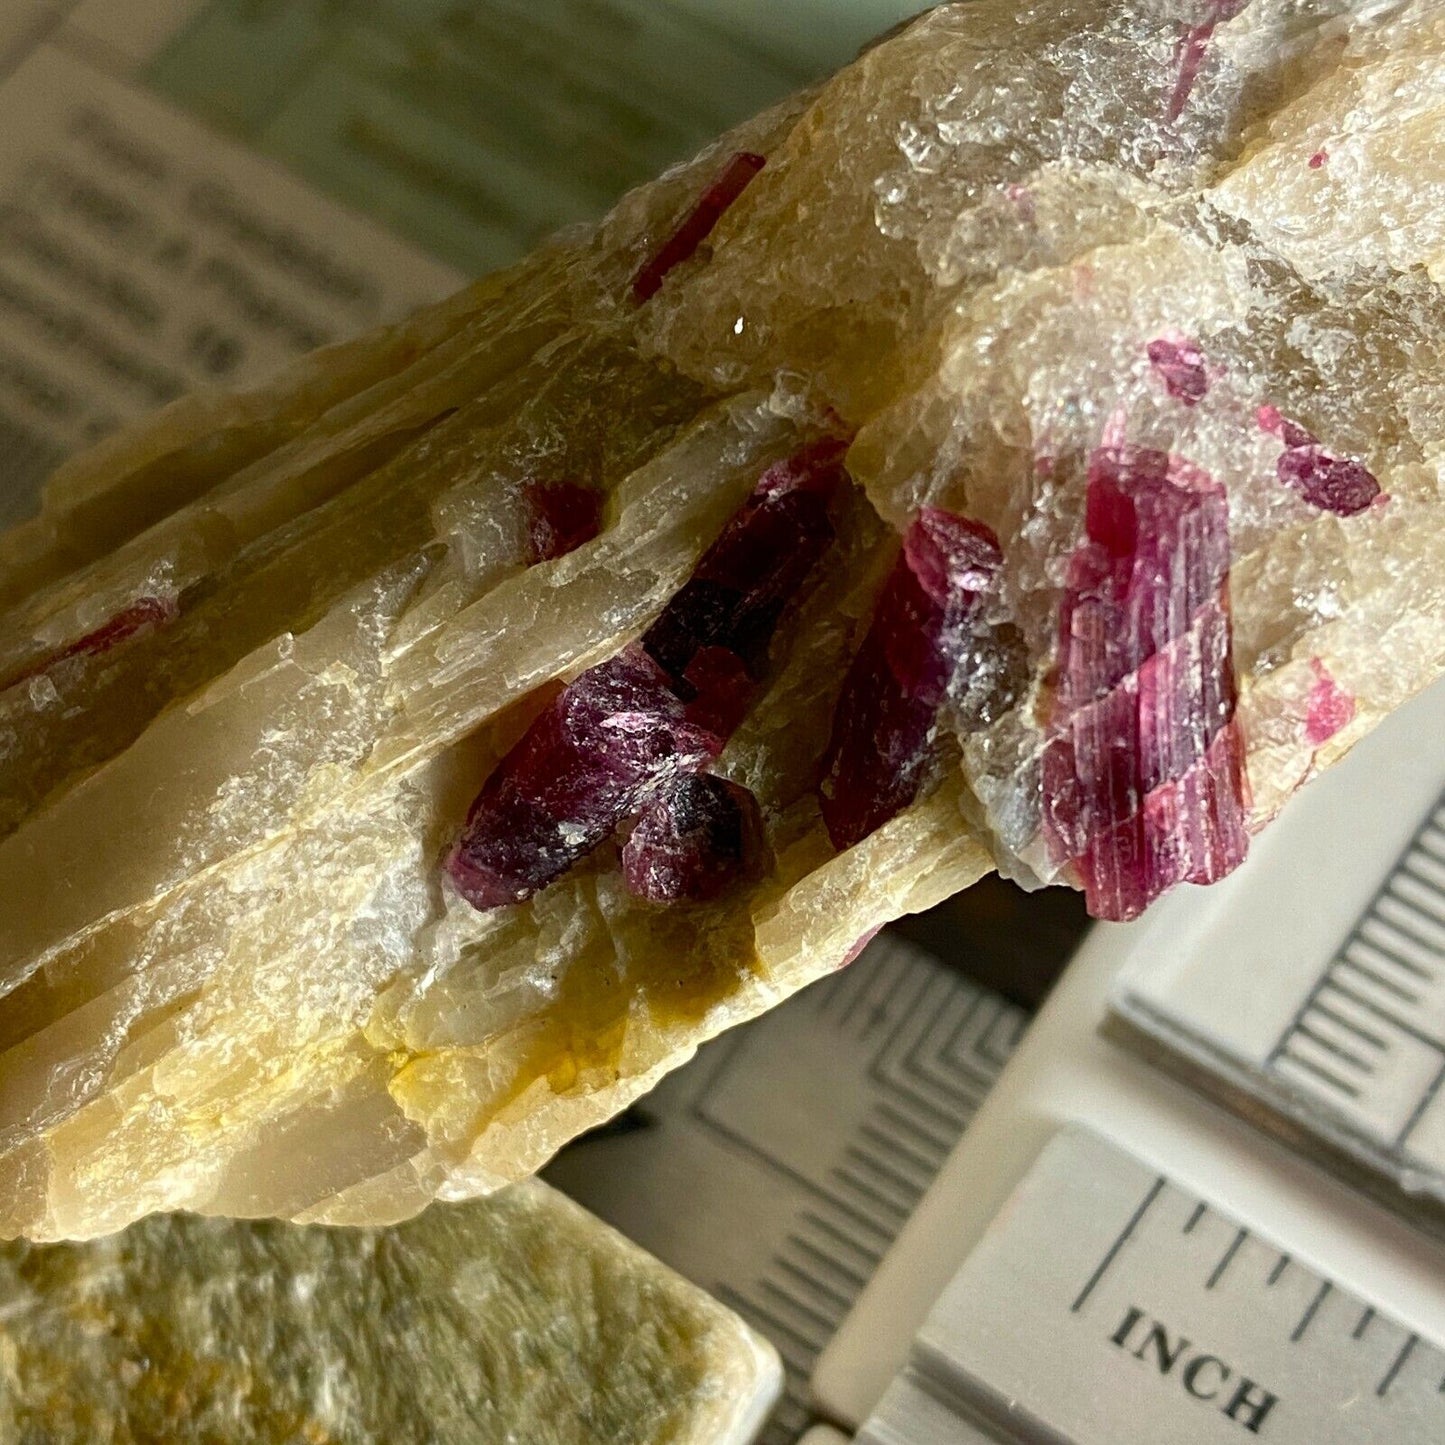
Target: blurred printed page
{"points": [[193, 192]]}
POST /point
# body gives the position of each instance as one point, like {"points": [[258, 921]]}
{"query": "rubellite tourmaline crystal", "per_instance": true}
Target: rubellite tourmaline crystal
{"points": [[697, 838], [697, 225], [142, 615], [1180, 366], [1331, 483], [597, 754], [561, 517], [738, 591], [1143, 774], [626, 729], [1080, 611], [923, 627]]}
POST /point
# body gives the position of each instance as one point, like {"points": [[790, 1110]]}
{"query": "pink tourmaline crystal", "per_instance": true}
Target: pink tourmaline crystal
{"points": [[1180, 366], [923, 627], [1330, 707], [1143, 774], [663, 709], [699, 836], [561, 517], [697, 225], [1194, 45], [1331, 483], [143, 615]]}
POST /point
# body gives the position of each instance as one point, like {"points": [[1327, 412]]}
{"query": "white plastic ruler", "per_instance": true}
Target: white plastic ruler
{"points": [[1106, 1303], [1053, 1287], [1313, 997], [776, 1169]]}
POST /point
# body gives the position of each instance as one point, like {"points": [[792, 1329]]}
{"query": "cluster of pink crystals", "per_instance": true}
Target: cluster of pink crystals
{"points": [[620, 739], [923, 627], [1143, 780], [143, 615]]}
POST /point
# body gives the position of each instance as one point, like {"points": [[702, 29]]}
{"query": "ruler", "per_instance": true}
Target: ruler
{"points": [[1106, 1303], [1314, 999], [777, 1167]]}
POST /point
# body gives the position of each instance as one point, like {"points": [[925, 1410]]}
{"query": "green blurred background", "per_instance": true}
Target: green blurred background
{"points": [[477, 127]]}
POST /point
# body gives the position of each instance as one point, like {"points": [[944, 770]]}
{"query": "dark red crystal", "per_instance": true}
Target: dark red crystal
{"points": [[738, 591], [627, 730], [561, 516], [1143, 780], [699, 836], [1180, 366], [1327, 481], [923, 627], [145, 614], [601, 750], [697, 225]]}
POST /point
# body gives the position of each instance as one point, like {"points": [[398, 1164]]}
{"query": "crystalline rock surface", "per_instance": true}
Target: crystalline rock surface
{"points": [[1022, 451]]}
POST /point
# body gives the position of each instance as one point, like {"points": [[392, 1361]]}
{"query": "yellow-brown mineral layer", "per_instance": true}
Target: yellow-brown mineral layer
{"points": [[517, 1318], [258, 658]]}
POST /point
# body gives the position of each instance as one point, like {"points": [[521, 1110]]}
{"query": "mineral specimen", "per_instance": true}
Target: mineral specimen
{"points": [[1034, 464], [517, 1320]]}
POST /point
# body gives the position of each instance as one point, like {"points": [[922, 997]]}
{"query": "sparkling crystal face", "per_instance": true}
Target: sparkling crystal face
{"points": [[622, 734], [1143, 771], [925, 624]]}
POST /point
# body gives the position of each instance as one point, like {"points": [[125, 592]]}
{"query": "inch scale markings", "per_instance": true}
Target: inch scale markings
{"points": [[1336, 937], [1107, 1303], [1369, 1037], [777, 1168]]}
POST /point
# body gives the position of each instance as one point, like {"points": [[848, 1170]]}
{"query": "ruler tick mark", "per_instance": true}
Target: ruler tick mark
{"points": [[1406, 1350], [1135, 1219], [823, 1259], [866, 1191], [908, 1189], [1280, 1265], [936, 1143], [1336, 1050], [1310, 1311], [900, 1151], [1405, 995], [1324, 1075], [827, 1323], [811, 1282], [869, 1256], [1366, 1315], [1198, 1213], [1240, 1236], [1363, 1034]]}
